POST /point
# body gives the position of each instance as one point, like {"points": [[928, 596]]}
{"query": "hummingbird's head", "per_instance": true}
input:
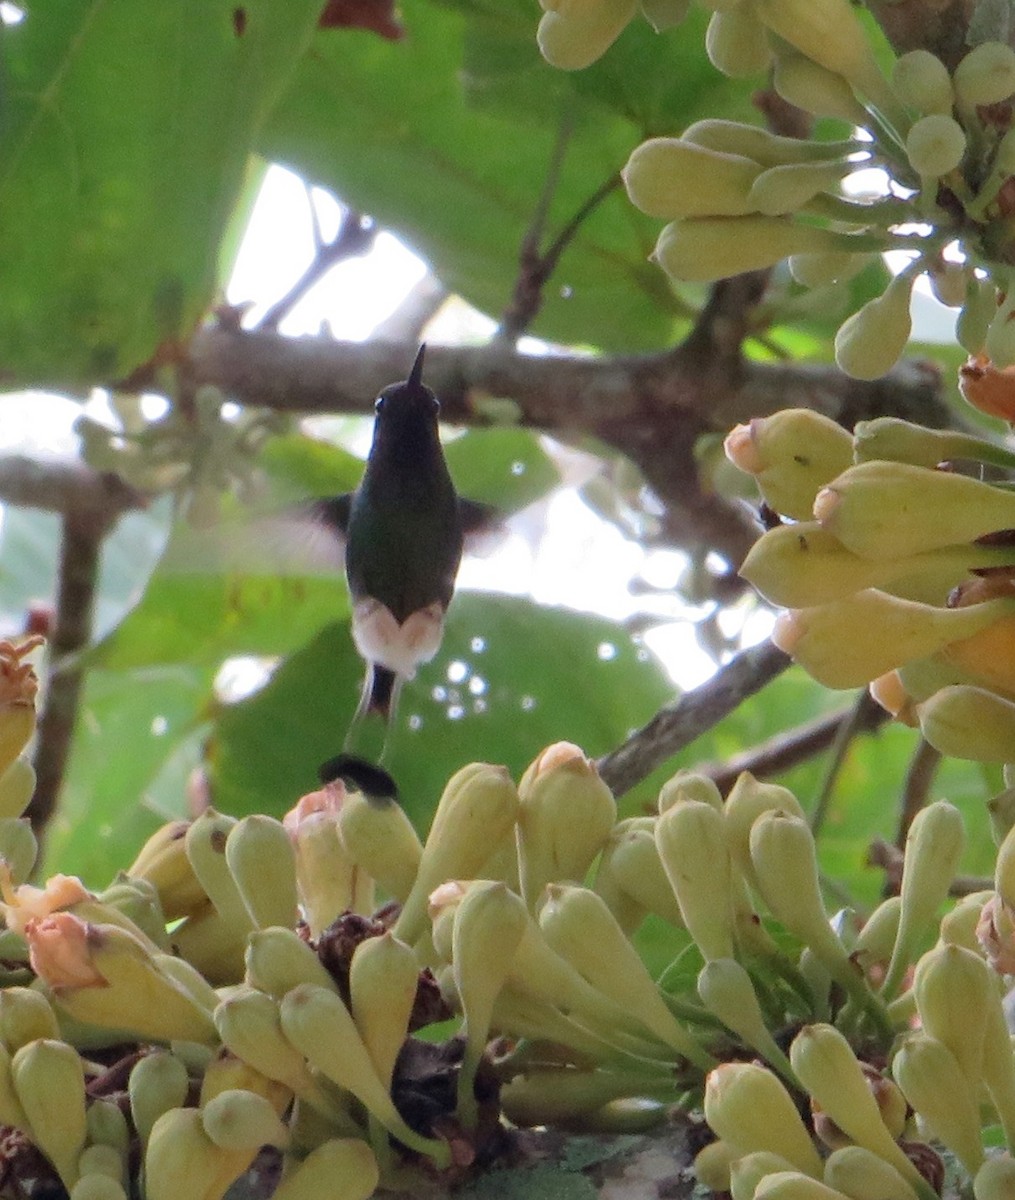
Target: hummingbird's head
{"points": [[408, 405]]}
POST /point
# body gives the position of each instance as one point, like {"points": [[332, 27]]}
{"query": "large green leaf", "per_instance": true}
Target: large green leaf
{"points": [[127, 126], [137, 738], [395, 130], [510, 678]]}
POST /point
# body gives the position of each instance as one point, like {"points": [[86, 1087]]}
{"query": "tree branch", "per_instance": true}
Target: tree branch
{"points": [[677, 725]]}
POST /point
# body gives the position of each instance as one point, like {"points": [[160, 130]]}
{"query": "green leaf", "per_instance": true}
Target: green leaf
{"points": [[504, 467], [208, 600], [391, 129], [127, 127], [132, 726], [502, 688]]}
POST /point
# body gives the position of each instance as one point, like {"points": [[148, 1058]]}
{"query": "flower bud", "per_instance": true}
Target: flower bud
{"points": [[792, 454], [48, 1077], [791, 1185], [380, 840], [787, 188], [737, 43], [692, 847], [686, 785], [995, 1180], [933, 1083], [713, 1166], [817, 270], [748, 1107], [703, 249], [882, 509], [638, 870], [338, 1169], [240, 1120], [947, 981], [829, 33], [921, 81], [765, 148], [871, 341], [828, 640], [383, 978], [18, 688], [565, 815], [976, 315], [477, 808], [572, 36], [862, 1175], [664, 14], [671, 178], [935, 145], [261, 859], [827, 1067], [804, 82], [24, 1016], [749, 1170], [726, 991], [902, 441], [329, 880], [747, 800], [934, 845], [986, 75], [969, 722], [580, 928]]}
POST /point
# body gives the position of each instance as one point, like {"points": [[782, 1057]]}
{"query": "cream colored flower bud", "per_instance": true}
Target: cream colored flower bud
{"points": [[995, 1180], [810, 86], [986, 75], [671, 178], [573, 35], [933, 1083], [969, 722], [736, 42], [817, 270], [765, 148], [664, 14], [787, 188], [935, 145], [871, 341], [921, 81], [703, 249]]}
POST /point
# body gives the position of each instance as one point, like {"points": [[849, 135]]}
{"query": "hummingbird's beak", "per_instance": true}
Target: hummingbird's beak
{"points": [[416, 374]]}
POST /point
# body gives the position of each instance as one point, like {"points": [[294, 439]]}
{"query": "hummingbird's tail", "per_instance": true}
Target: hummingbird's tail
{"points": [[379, 697]]}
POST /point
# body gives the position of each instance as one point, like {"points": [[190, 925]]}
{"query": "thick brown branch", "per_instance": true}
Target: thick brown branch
{"points": [[65, 486], [677, 725]]}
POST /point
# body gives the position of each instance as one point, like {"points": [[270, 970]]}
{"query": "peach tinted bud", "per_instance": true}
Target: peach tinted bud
{"points": [[59, 950], [27, 903], [995, 931], [889, 691], [327, 802], [987, 388], [560, 754], [18, 681], [789, 628], [742, 449], [445, 896]]}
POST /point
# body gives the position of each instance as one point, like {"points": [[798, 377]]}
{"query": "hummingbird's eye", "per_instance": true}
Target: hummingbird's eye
{"points": [[378, 404]]}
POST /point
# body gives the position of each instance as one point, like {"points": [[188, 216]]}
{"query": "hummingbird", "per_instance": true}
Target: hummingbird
{"points": [[404, 528]]}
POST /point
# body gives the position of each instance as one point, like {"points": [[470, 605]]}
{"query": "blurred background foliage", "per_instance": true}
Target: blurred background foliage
{"points": [[134, 138]]}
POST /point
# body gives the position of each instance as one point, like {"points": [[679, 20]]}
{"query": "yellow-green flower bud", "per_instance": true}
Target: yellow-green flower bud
{"points": [[747, 1106], [828, 640], [977, 313], [995, 1180], [804, 82], [1004, 870], [969, 722], [686, 785], [885, 509], [765, 148], [17, 786], [565, 816], [381, 840], [691, 841], [240, 1120], [787, 188], [713, 1165], [935, 145], [863, 1175], [24, 1016], [737, 42], [703, 249], [747, 800], [261, 859], [791, 1185], [749, 1170], [958, 925], [999, 344], [827, 1067], [817, 270], [934, 846], [950, 984], [157, 1083], [48, 1077], [383, 977], [338, 1169], [829, 33], [278, 959], [726, 991], [921, 81], [574, 35], [581, 929], [792, 454], [871, 341], [664, 14], [638, 870], [933, 1083], [875, 941], [671, 178], [986, 75], [476, 810], [902, 441]]}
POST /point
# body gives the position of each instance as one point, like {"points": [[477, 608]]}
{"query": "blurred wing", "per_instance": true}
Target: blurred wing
{"points": [[483, 527]]}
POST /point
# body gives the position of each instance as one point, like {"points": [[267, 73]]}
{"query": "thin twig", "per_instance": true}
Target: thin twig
{"points": [[80, 547], [919, 777], [355, 236], [788, 749], [677, 725], [847, 731]]}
